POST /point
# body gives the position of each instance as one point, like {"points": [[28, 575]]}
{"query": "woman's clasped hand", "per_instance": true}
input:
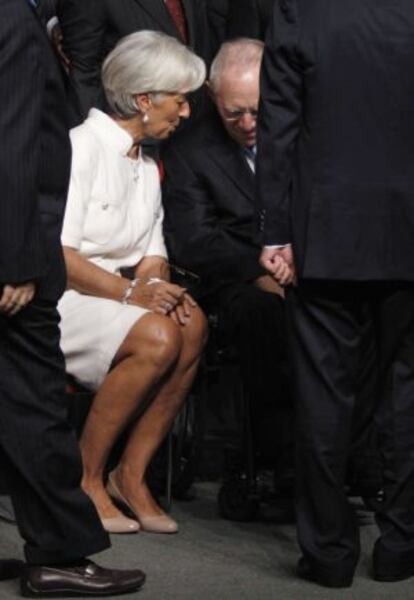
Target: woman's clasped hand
{"points": [[164, 298]]}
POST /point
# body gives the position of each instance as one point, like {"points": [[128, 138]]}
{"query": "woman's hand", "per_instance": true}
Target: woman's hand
{"points": [[181, 314], [161, 297], [16, 297]]}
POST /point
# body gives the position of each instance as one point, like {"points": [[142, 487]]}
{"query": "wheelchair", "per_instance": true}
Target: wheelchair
{"points": [[246, 486]]}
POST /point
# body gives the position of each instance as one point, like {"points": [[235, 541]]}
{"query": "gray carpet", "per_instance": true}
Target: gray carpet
{"points": [[213, 559]]}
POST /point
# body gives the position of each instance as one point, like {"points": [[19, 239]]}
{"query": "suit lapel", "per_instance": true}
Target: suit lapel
{"points": [[188, 6], [227, 155], [157, 10]]}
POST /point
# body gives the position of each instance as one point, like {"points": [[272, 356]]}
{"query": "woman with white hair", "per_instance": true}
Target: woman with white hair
{"points": [[136, 342]]}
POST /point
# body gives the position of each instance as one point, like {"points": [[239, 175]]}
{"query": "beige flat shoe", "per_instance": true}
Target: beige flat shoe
{"points": [[158, 524], [120, 525], [155, 524]]}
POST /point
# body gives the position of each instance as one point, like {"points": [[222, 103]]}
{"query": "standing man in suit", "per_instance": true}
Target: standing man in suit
{"points": [[91, 28], [208, 197], [336, 206], [249, 18], [40, 457]]}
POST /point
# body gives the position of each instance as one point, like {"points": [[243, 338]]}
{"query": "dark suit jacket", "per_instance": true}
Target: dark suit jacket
{"points": [[249, 18], [336, 137], [46, 9], [217, 14], [208, 197], [91, 28], [34, 153]]}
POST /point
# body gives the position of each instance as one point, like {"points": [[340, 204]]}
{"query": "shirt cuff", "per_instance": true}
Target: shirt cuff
{"points": [[275, 246], [51, 24]]}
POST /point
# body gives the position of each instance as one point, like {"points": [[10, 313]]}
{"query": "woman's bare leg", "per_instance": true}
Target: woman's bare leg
{"points": [[157, 420], [150, 350]]}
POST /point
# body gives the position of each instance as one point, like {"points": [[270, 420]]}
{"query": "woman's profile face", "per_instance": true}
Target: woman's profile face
{"points": [[165, 115]]}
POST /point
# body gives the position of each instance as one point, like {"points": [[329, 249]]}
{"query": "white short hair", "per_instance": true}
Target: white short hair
{"points": [[148, 61], [238, 55]]}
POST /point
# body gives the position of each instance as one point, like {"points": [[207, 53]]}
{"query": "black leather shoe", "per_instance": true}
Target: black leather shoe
{"points": [[84, 579], [388, 567], [330, 580], [10, 568]]}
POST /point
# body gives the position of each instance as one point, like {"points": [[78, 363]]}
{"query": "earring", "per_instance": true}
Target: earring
{"points": [[145, 118]]}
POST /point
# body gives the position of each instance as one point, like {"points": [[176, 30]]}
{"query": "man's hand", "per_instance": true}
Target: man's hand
{"points": [[14, 297], [280, 264], [56, 37]]}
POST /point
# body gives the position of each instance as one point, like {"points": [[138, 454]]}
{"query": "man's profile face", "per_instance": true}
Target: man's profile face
{"points": [[237, 101]]}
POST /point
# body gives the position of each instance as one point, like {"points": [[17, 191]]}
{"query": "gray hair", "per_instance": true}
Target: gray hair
{"points": [[148, 61], [239, 55]]}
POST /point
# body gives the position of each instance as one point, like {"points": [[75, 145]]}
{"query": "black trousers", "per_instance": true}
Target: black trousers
{"points": [[327, 324], [40, 458]]}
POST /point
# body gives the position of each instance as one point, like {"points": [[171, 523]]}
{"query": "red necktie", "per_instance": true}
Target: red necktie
{"points": [[177, 14]]}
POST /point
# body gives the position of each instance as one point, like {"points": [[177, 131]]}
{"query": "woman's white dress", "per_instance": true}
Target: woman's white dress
{"points": [[113, 218]]}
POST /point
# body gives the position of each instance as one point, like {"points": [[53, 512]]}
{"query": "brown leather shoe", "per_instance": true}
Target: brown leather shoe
{"points": [[10, 568], [84, 579]]}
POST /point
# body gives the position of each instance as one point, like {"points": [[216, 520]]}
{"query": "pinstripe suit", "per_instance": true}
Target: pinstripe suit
{"points": [[40, 455]]}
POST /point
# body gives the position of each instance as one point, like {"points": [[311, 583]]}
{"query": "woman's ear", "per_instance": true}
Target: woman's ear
{"points": [[143, 102]]}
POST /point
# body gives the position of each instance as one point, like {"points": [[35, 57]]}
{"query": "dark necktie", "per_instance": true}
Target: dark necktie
{"points": [[177, 14]]}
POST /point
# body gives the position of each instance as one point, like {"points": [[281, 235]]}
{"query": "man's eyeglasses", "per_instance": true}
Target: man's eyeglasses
{"points": [[236, 115]]}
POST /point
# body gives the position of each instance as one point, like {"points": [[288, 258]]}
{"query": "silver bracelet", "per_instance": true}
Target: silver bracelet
{"points": [[128, 292]]}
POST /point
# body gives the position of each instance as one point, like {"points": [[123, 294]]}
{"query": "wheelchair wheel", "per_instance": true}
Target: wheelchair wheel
{"points": [[236, 501]]}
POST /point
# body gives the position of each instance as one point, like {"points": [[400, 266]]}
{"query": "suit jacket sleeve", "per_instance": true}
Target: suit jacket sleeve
{"points": [[280, 117], [243, 19], [194, 233], [83, 29], [22, 242], [217, 20]]}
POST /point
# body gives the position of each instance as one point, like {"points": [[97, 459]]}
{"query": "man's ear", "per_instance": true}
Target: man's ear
{"points": [[143, 102]]}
